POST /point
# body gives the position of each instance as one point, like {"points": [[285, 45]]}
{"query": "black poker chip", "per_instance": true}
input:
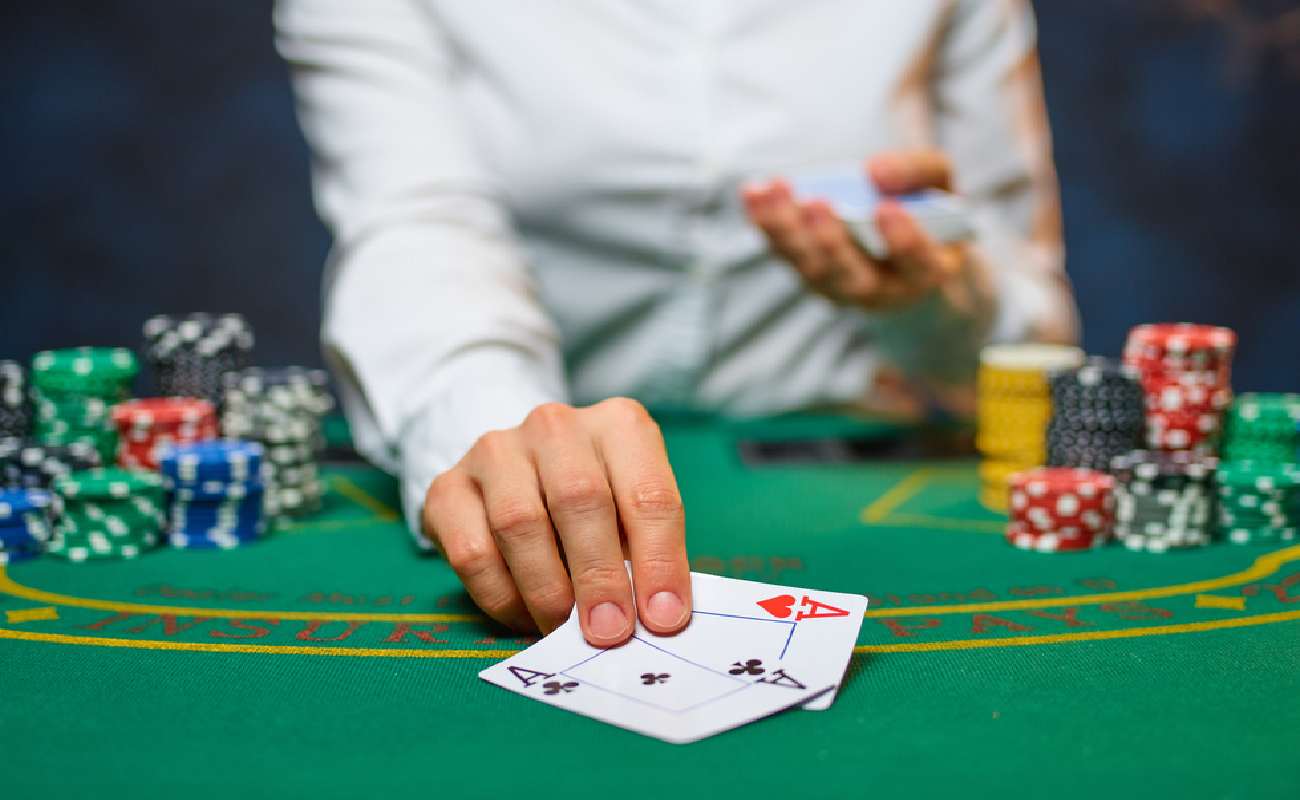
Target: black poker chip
{"points": [[1098, 412], [190, 354]]}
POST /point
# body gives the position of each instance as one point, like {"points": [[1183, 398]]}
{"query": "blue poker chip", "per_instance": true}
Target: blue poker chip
{"points": [[222, 461], [197, 523], [226, 509], [30, 530], [14, 556], [214, 490], [213, 539], [14, 503], [224, 505]]}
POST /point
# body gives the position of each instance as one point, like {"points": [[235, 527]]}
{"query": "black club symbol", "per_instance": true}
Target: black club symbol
{"points": [[555, 687], [751, 667], [650, 678]]}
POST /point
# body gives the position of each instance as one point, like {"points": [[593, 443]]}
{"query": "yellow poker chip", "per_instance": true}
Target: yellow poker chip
{"points": [[995, 499]]}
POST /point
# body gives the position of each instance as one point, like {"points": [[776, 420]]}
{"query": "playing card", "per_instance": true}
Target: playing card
{"points": [[821, 628], [942, 215], [738, 660]]}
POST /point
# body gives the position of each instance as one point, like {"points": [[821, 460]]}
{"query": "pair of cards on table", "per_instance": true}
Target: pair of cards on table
{"points": [[750, 650], [944, 216]]}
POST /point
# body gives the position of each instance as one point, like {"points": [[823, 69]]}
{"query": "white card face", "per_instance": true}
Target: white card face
{"points": [[738, 660], [820, 628]]}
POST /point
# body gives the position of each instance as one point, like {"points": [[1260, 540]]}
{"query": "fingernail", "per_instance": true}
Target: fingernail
{"points": [[606, 621], [665, 609]]}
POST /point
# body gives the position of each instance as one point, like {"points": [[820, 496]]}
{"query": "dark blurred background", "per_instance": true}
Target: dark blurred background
{"points": [[152, 162]]}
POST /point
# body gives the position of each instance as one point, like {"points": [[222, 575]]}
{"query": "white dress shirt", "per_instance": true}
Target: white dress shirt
{"points": [[537, 201]]}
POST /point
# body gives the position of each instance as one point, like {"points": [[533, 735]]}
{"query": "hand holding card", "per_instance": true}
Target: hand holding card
{"points": [[750, 650], [942, 215]]}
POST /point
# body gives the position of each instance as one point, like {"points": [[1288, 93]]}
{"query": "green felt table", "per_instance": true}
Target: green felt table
{"points": [[332, 661]]}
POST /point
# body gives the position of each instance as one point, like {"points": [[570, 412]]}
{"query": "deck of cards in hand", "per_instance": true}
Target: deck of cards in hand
{"points": [[749, 651], [944, 216]]}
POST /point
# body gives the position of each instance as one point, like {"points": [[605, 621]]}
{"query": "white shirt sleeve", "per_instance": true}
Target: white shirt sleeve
{"points": [[989, 117], [432, 323]]}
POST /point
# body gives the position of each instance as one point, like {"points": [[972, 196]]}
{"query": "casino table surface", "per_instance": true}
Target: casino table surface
{"points": [[332, 661]]}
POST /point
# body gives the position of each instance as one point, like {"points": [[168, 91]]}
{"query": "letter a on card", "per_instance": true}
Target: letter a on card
{"points": [[812, 609]]}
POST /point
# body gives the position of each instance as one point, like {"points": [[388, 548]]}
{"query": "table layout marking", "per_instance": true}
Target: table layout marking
{"points": [[42, 613]]}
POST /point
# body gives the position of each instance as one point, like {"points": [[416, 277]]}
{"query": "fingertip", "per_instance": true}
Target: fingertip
{"points": [[887, 172], [753, 193], [607, 624], [666, 611], [780, 188]]}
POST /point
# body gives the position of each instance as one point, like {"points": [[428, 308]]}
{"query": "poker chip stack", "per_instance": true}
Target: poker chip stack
{"points": [[28, 464], [1098, 412], [281, 408], [1262, 427], [1259, 501], [24, 524], [1164, 499], [1060, 509], [15, 413], [217, 494], [1186, 372], [107, 513], [74, 391], [190, 353], [148, 424], [1014, 407]]}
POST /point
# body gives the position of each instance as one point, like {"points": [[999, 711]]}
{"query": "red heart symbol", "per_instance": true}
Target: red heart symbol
{"points": [[778, 606]]}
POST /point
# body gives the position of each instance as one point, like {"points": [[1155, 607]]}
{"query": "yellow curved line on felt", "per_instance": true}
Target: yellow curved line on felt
{"points": [[1083, 636], [361, 497], [1262, 567], [9, 586], [911, 647], [286, 649]]}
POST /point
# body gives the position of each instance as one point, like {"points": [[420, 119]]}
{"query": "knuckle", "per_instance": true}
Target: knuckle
{"points": [[600, 576], [496, 604], [582, 493], [516, 520], [494, 445], [660, 563], [626, 410], [656, 500], [550, 417], [469, 559], [552, 601]]}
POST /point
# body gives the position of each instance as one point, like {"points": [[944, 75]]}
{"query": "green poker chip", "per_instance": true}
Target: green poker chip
{"points": [[109, 482], [111, 363]]}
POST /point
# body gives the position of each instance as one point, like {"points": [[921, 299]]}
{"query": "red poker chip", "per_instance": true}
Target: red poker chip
{"points": [[1042, 481], [1204, 423], [141, 449], [183, 432], [1025, 539], [1172, 396], [1062, 499], [149, 412], [1180, 339]]}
